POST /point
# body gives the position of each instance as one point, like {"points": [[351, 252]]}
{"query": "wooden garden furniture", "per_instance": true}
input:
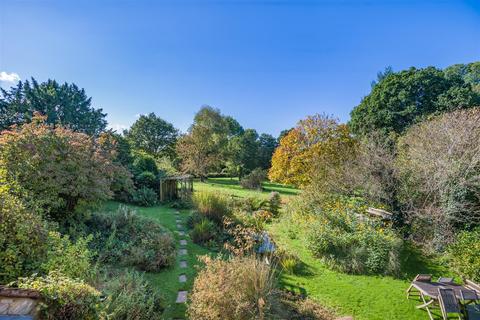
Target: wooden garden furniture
{"points": [[444, 293]]}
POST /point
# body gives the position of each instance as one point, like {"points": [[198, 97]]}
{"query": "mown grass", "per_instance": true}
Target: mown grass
{"points": [[232, 187], [361, 296], [167, 279]]}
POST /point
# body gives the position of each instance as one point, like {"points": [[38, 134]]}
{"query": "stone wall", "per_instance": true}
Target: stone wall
{"points": [[19, 302]]}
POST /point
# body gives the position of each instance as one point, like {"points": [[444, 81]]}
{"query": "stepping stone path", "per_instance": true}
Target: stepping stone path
{"points": [[182, 278], [182, 295]]}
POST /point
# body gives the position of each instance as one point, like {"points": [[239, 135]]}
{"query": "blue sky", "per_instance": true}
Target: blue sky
{"points": [[266, 63]]}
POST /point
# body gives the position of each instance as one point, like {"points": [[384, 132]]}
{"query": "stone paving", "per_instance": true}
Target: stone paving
{"points": [[182, 295]]}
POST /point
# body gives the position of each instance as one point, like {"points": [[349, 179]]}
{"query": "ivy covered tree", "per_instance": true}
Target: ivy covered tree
{"points": [[153, 135], [62, 104], [401, 99]]}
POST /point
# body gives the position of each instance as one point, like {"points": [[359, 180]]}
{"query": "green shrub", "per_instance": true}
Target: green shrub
{"points": [[203, 231], [55, 168], [23, 236], [340, 234], [274, 203], [130, 296], [145, 197], [362, 250], [193, 219], [239, 289], [70, 259], [211, 205], [132, 240], [464, 254], [146, 179], [254, 179], [63, 297], [143, 162]]}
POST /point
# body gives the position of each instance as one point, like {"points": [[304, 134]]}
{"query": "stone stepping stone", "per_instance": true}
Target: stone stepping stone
{"points": [[179, 226], [182, 278], [178, 221], [182, 233], [181, 297], [183, 252], [183, 242], [183, 264]]}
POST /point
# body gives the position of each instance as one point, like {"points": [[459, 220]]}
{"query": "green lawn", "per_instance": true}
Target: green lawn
{"points": [[167, 279], [231, 186], [364, 297]]}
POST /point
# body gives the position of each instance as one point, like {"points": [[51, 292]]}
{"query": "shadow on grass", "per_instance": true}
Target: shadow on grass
{"points": [[414, 261]]}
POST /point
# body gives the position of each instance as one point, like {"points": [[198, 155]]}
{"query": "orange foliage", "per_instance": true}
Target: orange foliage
{"points": [[317, 142]]}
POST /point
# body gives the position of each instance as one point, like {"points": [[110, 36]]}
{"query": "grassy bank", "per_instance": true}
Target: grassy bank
{"points": [[363, 297]]}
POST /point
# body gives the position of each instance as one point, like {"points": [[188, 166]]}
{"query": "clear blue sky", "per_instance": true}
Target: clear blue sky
{"points": [[266, 63]]}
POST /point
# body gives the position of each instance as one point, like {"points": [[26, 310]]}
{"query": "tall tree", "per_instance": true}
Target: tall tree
{"points": [[266, 146], [64, 105], [203, 148], [153, 135], [316, 147], [401, 99]]}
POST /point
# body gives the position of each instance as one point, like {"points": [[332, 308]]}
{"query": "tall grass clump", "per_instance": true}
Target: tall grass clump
{"points": [[130, 296], [211, 205], [241, 288], [339, 233]]}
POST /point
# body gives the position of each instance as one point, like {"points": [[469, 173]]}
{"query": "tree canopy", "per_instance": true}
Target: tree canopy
{"points": [[153, 135], [317, 144], [62, 104], [403, 98]]}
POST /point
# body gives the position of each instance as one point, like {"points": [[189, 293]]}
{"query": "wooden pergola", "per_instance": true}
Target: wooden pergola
{"points": [[175, 187]]}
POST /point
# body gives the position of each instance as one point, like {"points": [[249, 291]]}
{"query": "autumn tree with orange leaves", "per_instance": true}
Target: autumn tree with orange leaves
{"points": [[317, 148]]}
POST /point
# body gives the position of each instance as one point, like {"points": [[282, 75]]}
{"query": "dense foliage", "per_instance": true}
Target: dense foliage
{"points": [[64, 105], [401, 99], [130, 296], [318, 145], [64, 297], [464, 254], [128, 239], [55, 168], [218, 143], [438, 165], [153, 135], [23, 234]]}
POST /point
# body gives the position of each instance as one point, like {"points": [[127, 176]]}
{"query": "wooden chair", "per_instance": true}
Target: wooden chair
{"points": [[471, 304], [421, 278], [448, 303]]}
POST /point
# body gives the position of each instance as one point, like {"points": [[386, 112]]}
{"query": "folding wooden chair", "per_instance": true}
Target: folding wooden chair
{"points": [[421, 278], [471, 304], [448, 303]]}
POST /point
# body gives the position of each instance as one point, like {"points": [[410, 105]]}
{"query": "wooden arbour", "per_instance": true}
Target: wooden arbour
{"points": [[175, 187]]}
